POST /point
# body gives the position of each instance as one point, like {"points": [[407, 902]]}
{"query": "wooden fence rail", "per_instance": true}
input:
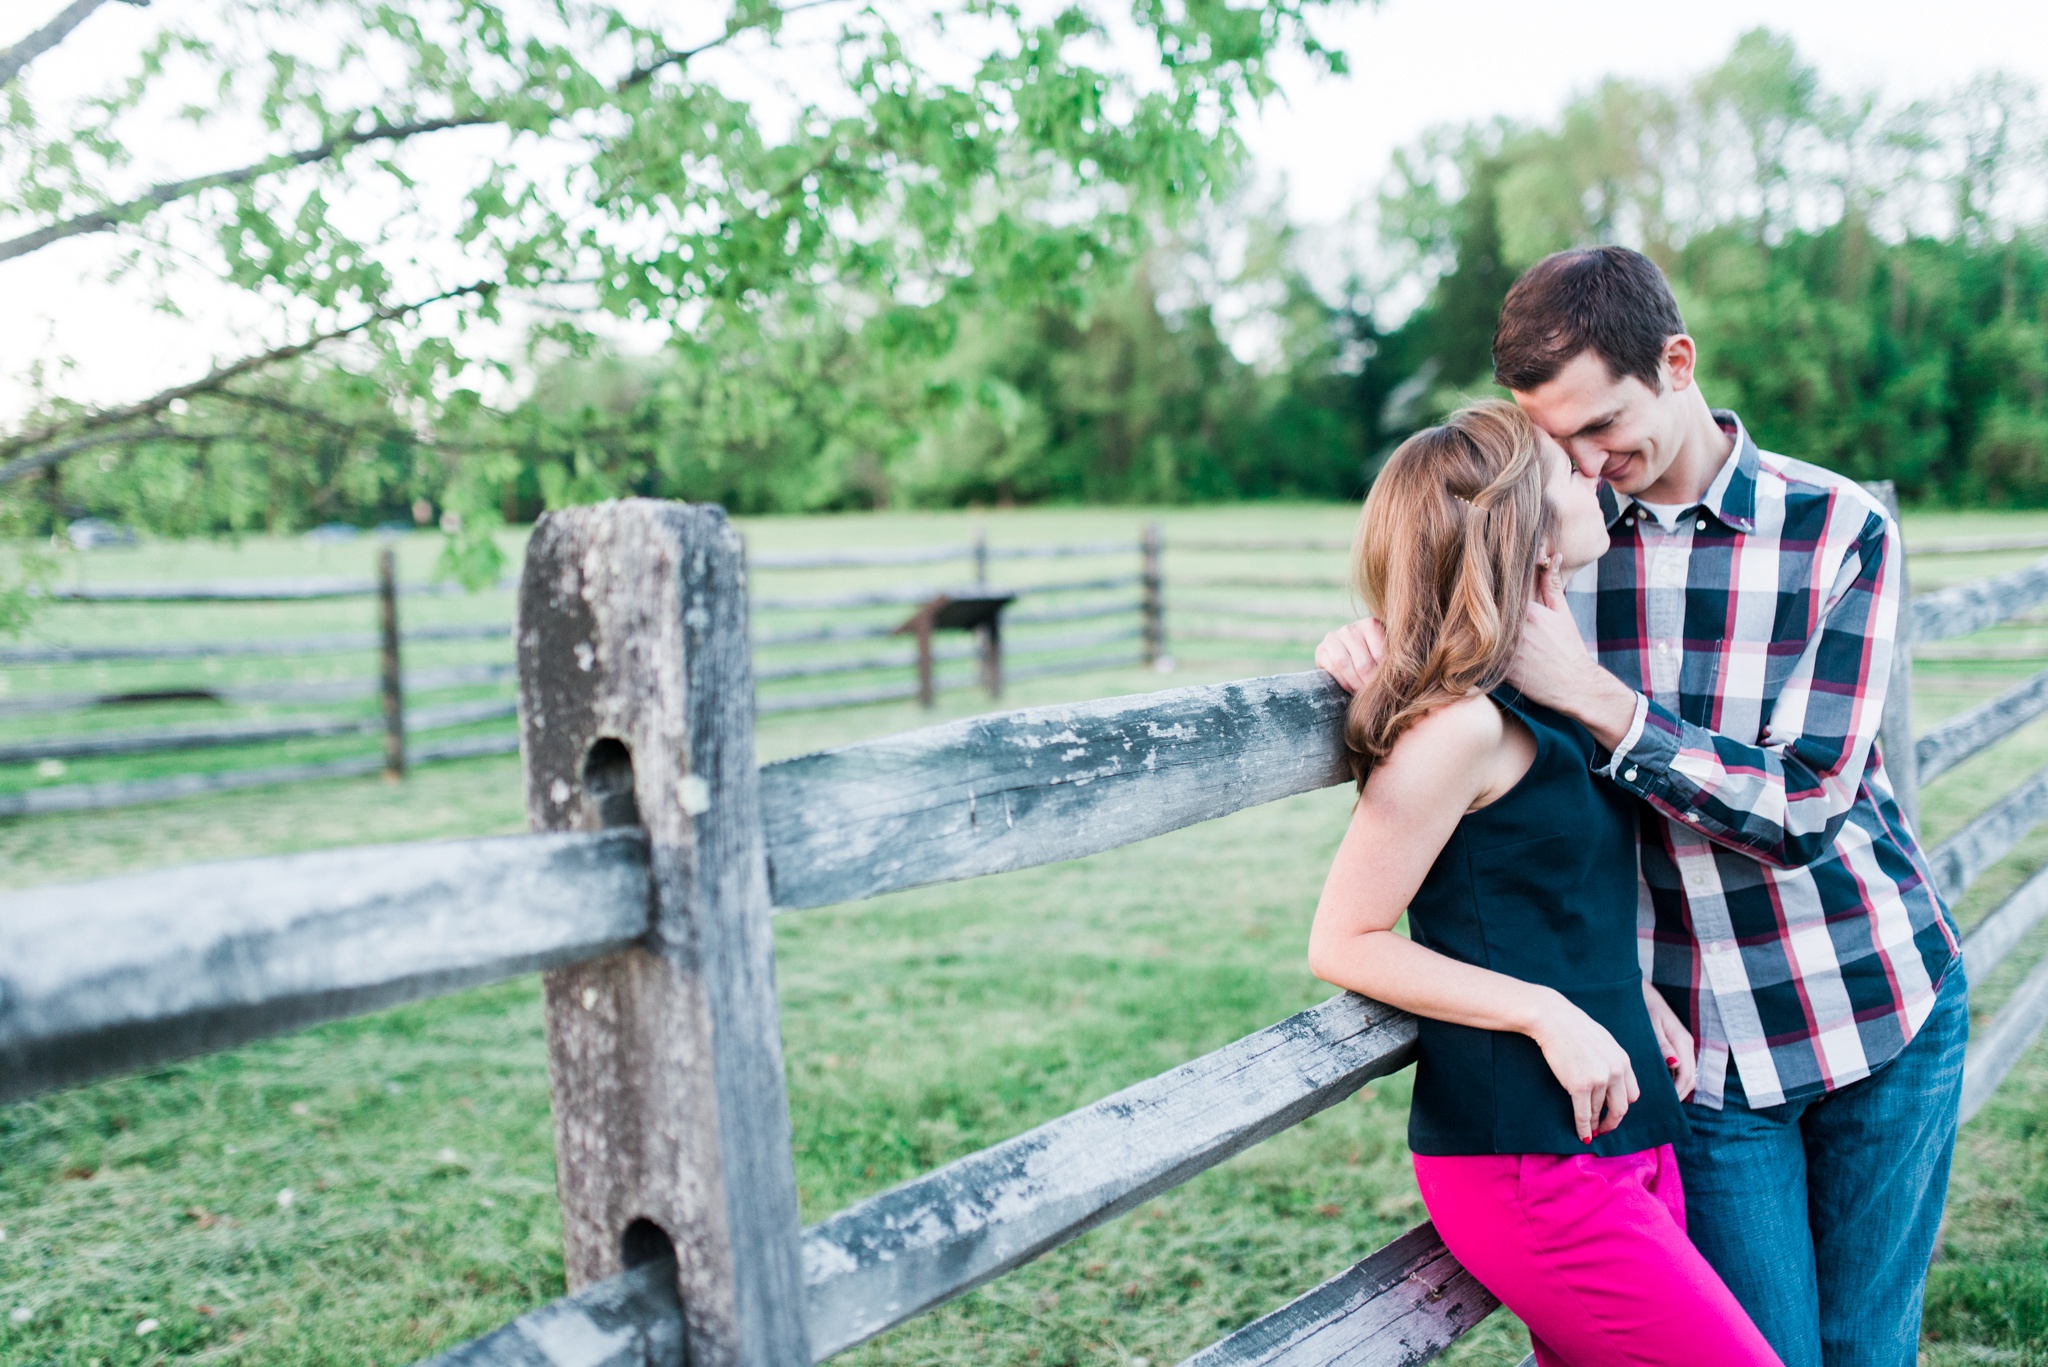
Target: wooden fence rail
{"points": [[978, 550], [896, 1255], [1982, 603], [1982, 726], [285, 690], [339, 643], [897, 692], [665, 851], [910, 595], [121, 974], [251, 591], [157, 740], [1980, 545], [89, 797]]}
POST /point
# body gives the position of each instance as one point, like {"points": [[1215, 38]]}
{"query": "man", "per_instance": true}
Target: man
{"points": [[1742, 628]]}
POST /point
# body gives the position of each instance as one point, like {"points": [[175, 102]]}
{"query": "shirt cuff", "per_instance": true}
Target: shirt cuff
{"points": [[1646, 757], [1628, 742]]}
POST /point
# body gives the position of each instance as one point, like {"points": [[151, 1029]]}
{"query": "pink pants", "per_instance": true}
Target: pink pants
{"points": [[1592, 1254]]}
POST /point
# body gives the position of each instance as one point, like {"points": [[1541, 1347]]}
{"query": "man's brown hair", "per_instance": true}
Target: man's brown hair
{"points": [[1610, 301]]}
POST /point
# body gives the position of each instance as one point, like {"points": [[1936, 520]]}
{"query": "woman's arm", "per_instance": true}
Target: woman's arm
{"points": [[1414, 798]]}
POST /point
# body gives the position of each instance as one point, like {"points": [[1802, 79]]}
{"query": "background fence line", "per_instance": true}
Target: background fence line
{"points": [[333, 644], [1200, 620], [1031, 655], [290, 690]]}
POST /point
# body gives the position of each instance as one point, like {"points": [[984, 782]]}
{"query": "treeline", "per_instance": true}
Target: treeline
{"points": [[1869, 286], [1116, 397]]}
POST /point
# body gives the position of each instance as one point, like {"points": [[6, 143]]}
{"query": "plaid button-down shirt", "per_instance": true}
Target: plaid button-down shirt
{"points": [[1787, 910]]}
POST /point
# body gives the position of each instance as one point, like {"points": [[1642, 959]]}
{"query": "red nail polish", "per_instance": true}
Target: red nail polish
{"points": [[1670, 1060]]}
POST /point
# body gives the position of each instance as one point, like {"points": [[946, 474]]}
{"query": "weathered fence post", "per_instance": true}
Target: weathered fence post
{"points": [[988, 640], [979, 554], [1895, 735], [671, 1119], [1152, 596], [390, 679], [927, 687]]}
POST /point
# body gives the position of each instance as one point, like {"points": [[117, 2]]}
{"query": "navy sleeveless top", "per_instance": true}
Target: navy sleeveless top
{"points": [[1539, 884]]}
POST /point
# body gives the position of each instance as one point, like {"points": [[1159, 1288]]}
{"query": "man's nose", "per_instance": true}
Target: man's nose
{"points": [[1587, 458]]}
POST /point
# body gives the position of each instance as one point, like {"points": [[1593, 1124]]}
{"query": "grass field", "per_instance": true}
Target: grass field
{"points": [[375, 1190]]}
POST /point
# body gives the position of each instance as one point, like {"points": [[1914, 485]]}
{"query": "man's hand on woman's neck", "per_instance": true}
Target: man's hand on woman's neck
{"points": [[1552, 666]]}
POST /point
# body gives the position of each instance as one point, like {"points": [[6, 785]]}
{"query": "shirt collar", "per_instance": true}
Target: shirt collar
{"points": [[1732, 495]]}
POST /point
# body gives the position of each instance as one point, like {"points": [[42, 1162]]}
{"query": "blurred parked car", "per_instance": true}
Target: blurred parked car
{"points": [[334, 531], [93, 533]]}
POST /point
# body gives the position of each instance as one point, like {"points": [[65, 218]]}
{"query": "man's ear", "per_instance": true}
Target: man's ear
{"points": [[1680, 356]]}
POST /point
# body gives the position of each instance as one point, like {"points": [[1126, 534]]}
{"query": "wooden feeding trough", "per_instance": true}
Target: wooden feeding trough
{"points": [[963, 610]]}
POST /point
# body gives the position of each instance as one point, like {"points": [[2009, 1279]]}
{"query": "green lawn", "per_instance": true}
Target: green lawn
{"points": [[415, 1144]]}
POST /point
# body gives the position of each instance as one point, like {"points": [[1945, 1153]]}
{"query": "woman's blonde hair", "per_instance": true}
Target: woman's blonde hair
{"points": [[1446, 559]]}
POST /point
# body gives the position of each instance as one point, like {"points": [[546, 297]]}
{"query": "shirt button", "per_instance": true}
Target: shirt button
{"points": [[1629, 774], [1700, 525]]}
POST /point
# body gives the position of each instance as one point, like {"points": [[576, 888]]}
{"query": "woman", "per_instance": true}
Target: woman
{"points": [[1548, 1073]]}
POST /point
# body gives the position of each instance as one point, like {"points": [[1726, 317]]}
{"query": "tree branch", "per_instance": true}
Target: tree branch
{"points": [[13, 59], [669, 57], [43, 460], [157, 196], [211, 382], [343, 427], [136, 436]]}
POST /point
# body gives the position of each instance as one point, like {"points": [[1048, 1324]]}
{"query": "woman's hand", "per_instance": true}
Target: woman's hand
{"points": [[1352, 652], [1588, 1063], [1675, 1039]]}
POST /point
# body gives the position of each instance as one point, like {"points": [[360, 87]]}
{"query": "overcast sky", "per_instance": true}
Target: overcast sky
{"points": [[1414, 63]]}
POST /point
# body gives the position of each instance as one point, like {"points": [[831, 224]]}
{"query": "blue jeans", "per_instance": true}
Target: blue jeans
{"points": [[1821, 1214]]}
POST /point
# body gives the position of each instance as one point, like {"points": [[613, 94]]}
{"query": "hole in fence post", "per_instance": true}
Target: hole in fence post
{"points": [[645, 1242], [608, 783]]}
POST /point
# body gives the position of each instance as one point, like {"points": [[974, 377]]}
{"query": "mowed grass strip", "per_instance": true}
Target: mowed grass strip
{"points": [[416, 1146]]}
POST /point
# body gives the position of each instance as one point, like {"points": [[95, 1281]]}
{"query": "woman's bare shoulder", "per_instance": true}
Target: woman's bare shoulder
{"points": [[1472, 722], [1446, 747]]}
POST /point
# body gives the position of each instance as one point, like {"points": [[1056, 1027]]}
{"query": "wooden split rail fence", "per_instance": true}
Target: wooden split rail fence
{"points": [[1139, 639], [828, 620], [659, 854], [395, 723]]}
